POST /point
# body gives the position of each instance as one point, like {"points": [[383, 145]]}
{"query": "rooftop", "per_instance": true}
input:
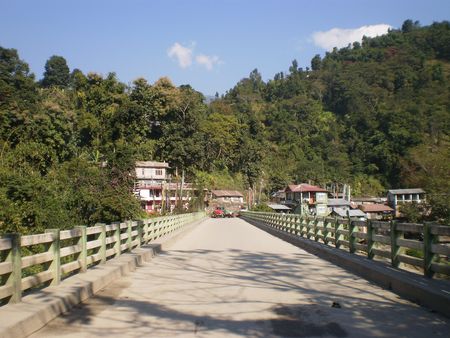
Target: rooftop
{"points": [[337, 201], [226, 193], [407, 191], [151, 164], [352, 213], [278, 206], [303, 187], [375, 208]]}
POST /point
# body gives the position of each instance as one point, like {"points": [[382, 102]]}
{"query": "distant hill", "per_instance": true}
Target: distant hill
{"points": [[375, 114], [209, 99]]}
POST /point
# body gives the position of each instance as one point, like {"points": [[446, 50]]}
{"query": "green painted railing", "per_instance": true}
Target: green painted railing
{"points": [[426, 246], [67, 252]]}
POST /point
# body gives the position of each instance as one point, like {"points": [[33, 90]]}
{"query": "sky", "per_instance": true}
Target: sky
{"points": [[210, 45]]}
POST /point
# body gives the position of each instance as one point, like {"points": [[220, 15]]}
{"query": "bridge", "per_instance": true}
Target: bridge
{"points": [[214, 278]]}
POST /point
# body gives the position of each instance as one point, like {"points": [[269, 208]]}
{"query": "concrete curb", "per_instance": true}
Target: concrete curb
{"points": [[39, 308], [433, 294]]}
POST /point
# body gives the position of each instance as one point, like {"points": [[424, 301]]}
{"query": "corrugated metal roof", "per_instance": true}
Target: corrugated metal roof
{"points": [[407, 191], [278, 207], [226, 193], [369, 199], [151, 164], [352, 213], [303, 187], [375, 208], [337, 201]]}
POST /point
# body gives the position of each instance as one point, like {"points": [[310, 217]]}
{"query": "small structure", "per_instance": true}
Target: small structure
{"points": [[307, 199], [352, 213], [340, 203], [398, 197], [279, 208], [230, 199], [227, 196], [357, 201], [377, 211], [278, 196], [151, 178]]}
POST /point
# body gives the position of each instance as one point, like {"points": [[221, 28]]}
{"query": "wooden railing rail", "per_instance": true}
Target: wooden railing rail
{"points": [[423, 246], [32, 261]]}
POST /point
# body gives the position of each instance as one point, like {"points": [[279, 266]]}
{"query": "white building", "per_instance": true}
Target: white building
{"points": [[400, 196], [151, 178]]}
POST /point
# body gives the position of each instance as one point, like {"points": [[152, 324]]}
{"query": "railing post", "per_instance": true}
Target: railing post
{"points": [[297, 225], [54, 248], [102, 238], [82, 243], [395, 249], [117, 244], [337, 235], [325, 230], [308, 227], [145, 230], [370, 231], [15, 278], [151, 229], [303, 228], [129, 242], [351, 237], [157, 228], [316, 228], [140, 229], [428, 255]]}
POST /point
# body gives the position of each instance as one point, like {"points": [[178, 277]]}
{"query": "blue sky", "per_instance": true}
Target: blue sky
{"points": [[210, 45]]}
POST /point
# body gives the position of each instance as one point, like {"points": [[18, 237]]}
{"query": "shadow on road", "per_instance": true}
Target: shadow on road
{"points": [[335, 305]]}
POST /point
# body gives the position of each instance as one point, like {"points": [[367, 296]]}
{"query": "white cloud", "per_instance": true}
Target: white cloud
{"points": [[340, 37], [182, 54], [208, 61]]}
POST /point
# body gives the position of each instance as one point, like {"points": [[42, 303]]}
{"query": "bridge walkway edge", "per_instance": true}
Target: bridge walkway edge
{"points": [[40, 307], [432, 294]]}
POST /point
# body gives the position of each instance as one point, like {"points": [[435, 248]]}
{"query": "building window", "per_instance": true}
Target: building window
{"points": [[158, 172]]}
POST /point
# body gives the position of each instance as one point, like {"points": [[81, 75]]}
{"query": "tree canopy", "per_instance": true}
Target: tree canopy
{"points": [[374, 115]]}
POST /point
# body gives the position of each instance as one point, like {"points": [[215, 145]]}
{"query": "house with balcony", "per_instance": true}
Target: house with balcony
{"points": [[230, 199], [397, 197], [151, 179], [306, 199]]}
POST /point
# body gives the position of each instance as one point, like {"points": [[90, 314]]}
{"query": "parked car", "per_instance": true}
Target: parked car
{"points": [[219, 212], [228, 213]]}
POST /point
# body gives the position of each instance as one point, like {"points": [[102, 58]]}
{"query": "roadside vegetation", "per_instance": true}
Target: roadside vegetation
{"points": [[374, 115]]}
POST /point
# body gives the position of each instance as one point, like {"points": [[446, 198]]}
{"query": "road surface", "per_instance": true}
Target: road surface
{"points": [[227, 278]]}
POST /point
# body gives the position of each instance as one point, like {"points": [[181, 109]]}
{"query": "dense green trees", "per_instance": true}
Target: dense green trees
{"points": [[56, 73], [360, 116], [373, 115]]}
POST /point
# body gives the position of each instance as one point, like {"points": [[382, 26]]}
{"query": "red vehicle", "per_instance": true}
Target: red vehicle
{"points": [[219, 212]]}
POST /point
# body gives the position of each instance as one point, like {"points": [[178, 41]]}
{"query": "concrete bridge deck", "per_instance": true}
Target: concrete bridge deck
{"points": [[227, 278]]}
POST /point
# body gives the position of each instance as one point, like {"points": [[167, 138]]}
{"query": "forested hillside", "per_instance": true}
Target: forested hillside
{"points": [[374, 115]]}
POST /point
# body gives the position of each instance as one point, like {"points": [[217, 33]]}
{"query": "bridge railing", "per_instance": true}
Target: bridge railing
{"points": [[34, 261], [424, 247]]}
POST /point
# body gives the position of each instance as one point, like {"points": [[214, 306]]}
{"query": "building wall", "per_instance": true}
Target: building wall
{"points": [[151, 173], [396, 200]]}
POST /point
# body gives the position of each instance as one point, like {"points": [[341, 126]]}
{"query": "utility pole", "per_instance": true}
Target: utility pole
{"points": [[176, 187], [181, 189]]}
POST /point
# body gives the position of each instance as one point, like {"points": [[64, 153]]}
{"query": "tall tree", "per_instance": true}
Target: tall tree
{"points": [[56, 73]]}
